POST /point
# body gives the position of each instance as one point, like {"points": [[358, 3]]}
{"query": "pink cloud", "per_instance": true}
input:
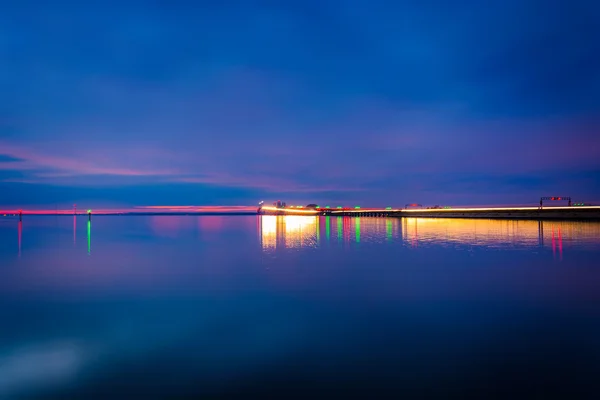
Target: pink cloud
{"points": [[62, 166]]}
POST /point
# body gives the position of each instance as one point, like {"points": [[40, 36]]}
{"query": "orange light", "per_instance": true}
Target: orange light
{"points": [[292, 210]]}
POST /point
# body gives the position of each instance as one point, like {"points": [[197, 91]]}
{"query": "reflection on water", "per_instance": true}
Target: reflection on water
{"points": [[306, 232], [289, 231], [206, 305], [313, 231], [500, 233], [89, 237], [170, 226], [296, 232], [20, 230]]}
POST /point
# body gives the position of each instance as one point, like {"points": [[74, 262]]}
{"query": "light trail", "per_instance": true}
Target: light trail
{"points": [[292, 210], [442, 210], [140, 210], [450, 210], [362, 210]]}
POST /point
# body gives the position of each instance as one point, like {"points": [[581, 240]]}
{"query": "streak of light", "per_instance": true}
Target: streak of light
{"points": [[450, 210], [292, 210]]}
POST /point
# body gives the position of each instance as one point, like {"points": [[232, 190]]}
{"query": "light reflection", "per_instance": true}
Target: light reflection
{"points": [[305, 231], [553, 244], [346, 229], [89, 236], [207, 223], [560, 246], [497, 233], [289, 231], [20, 233], [318, 225], [300, 231], [557, 242], [74, 230], [268, 227], [172, 226]]}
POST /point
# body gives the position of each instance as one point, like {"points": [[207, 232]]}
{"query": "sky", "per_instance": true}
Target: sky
{"points": [[378, 103]]}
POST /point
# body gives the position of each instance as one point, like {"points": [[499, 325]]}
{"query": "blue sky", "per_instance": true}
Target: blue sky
{"points": [[141, 103]]}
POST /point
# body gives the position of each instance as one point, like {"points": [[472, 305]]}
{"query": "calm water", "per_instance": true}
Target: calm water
{"points": [[246, 306]]}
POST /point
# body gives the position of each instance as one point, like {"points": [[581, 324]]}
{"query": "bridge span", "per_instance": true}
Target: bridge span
{"points": [[570, 212]]}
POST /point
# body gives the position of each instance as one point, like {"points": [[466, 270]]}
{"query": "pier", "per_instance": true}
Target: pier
{"points": [[537, 213]]}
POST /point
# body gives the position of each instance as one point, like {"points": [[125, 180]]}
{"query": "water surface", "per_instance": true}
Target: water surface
{"points": [[241, 306]]}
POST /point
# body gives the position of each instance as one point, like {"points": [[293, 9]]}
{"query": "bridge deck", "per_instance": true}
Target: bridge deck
{"points": [[580, 212]]}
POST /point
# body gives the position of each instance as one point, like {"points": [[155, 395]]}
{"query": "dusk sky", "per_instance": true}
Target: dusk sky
{"points": [[343, 102]]}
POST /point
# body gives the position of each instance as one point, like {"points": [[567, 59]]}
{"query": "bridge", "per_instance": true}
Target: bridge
{"points": [[581, 212]]}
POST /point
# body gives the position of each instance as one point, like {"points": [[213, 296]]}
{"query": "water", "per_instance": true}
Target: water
{"points": [[247, 306]]}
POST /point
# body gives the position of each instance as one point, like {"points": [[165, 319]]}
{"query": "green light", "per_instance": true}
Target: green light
{"points": [[339, 207], [89, 236], [388, 229], [339, 228], [327, 207], [388, 208], [89, 211], [318, 230], [357, 207], [357, 230], [327, 228]]}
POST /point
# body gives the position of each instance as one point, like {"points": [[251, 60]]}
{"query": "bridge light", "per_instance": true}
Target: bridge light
{"points": [[357, 207], [388, 208]]}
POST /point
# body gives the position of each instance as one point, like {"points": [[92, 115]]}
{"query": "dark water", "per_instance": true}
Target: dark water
{"points": [[282, 307]]}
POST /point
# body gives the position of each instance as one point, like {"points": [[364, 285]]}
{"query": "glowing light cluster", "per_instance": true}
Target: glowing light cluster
{"points": [[291, 210], [268, 226], [289, 231]]}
